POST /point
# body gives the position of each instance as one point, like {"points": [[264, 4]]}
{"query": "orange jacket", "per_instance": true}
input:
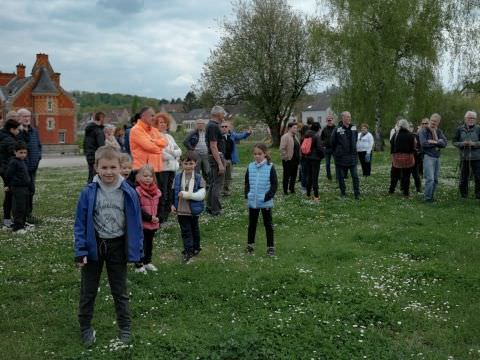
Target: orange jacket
{"points": [[146, 145]]}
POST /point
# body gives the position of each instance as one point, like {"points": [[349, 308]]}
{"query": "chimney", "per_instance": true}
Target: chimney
{"points": [[21, 71], [56, 79]]}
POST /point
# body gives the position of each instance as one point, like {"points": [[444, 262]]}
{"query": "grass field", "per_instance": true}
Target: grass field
{"points": [[378, 278]]}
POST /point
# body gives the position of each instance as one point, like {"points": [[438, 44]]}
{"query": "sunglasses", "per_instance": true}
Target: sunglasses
{"points": [[424, 123], [223, 126]]}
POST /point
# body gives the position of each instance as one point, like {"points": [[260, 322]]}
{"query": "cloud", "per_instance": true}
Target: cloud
{"points": [[183, 80], [122, 6]]}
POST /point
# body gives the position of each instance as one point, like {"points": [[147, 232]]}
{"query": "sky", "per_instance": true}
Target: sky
{"points": [[153, 48]]}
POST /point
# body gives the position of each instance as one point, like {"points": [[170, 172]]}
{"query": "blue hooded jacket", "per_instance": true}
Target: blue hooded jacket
{"points": [[84, 229]]}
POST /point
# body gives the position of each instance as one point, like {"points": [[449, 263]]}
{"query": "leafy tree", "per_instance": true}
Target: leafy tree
{"points": [[385, 54], [265, 59], [190, 102], [135, 105]]}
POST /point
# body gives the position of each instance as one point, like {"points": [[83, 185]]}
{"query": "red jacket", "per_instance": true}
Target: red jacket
{"points": [[149, 205]]}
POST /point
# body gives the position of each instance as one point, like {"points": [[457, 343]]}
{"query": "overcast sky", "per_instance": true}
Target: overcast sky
{"points": [[151, 48]]}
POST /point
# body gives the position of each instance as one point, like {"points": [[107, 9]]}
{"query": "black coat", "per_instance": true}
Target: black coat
{"points": [[17, 174], [403, 142], [94, 138], [7, 149], [344, 145], [317, 152]]}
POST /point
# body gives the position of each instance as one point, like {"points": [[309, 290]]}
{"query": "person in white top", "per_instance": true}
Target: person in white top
{"points": [[110, 139], [364, 149], [171, 156]]}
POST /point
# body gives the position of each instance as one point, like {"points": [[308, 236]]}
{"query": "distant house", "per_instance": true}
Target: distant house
{"points": [[172, 108], [188, 122], [53, 109], [118, 117], [318, 109]]}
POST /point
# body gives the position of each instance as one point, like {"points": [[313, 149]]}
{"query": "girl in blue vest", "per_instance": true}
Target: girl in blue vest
{"points": [[188, 204], [260, 187]]}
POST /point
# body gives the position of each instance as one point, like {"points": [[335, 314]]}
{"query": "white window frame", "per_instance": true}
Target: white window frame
{"points": [[64, 133], [49, 104], [50, 123]]}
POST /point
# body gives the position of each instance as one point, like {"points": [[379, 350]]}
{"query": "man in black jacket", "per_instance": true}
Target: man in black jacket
{"points": [[94, 138], [18, 183], [344, 146], [326, 137]]}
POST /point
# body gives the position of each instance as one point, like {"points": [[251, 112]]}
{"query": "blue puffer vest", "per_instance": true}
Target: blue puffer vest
{"points": [[195, 206], [259, 180]]}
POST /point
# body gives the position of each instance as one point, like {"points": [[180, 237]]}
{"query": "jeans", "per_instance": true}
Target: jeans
{"points": [[148, 236], [342, 171], [165, 182], [312, 170], [366, 165], [290, 168], [466, 166], [228, 177], [112, 253], [190, 231], [303, 173], [431, 171], [328, 161], [214, 190], [20, 207], [267, 222], [203, 167]]}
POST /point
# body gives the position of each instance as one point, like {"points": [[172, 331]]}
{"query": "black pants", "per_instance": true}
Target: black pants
{"points": [[290, 169], [112, 253], [267, 222], [416, 177], [20, 207], [148, 236], [7, 204], [33, 176], [312, 170], [342, 172], [403, 175], [91, 171], [165, 182], [465, 167], [366, 165], [214, 206], [190, 233]]}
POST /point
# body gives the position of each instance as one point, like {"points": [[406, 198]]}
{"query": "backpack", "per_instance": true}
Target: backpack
{"points": [[306, 147]]}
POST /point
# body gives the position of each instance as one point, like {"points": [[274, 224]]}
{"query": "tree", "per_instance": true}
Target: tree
{"points": [[386, 52], [190, 102], [135, 104], [264, 58]]}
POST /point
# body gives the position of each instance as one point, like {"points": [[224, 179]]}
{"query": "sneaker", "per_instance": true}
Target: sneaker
{"points": [[316, 199], [7, 228], [20, 231], [29, 225], [150, 267], [250, 249], [7, 222], [88, 337], [187, 257], [271, 251], [141, 270], [124, 336], [196, 251]]}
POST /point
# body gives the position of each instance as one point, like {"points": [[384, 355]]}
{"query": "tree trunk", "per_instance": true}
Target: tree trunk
{"points": [[275, 133], [379, 145]]}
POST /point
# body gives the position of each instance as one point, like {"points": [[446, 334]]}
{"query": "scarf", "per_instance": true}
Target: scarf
{"points": [[434, 133], [261, 163], [190, 184], [150, 189]]}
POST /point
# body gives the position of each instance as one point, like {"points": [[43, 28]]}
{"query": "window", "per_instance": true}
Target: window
{"points": [[61, 137], [49, 104], [50, 123]]}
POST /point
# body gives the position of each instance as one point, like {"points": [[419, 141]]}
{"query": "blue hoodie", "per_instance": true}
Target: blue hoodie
{"points": [[84, 229]]}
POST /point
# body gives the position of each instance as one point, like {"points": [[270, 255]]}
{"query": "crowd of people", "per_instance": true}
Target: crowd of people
{"points": [[138, 178]]}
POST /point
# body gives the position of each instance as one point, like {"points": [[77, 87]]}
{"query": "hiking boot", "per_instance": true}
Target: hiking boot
{"points": [[88, 337], [271, 251]]}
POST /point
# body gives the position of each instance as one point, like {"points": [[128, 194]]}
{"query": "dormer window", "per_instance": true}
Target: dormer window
{"points": [[49, 104]]}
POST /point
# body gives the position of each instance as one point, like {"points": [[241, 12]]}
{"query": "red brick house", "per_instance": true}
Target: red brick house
{"points": [[53, 109]]}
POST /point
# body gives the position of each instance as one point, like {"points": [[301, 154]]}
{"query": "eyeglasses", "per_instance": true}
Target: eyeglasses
{"points": [[223, 126]]}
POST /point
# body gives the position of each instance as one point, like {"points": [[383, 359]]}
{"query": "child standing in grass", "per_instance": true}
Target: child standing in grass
{"points": [[19, 184], [108, 230], [149, 196], [188, 204], [260, 187]]}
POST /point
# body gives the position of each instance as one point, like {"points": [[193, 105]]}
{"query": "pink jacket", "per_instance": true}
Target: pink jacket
{"points": [[149, 204]]}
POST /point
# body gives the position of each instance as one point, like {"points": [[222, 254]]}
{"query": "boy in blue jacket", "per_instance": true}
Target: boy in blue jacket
{"points": [[108, 229]]}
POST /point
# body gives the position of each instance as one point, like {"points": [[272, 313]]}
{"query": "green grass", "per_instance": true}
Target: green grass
{"points": [[379, 278]]}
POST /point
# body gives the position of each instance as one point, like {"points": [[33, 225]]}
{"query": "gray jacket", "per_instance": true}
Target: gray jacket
{"points": [[464, 133]]}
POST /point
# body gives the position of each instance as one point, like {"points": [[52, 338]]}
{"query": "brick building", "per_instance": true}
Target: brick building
{"points": [[53, 109]]}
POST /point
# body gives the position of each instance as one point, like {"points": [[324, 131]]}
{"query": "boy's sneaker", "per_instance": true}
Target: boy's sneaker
{"points": [[124, 336], [271, 251], [250, 249], [88, 337], [150, 267], [29, 225], [7, 222], [141, 270], [187, 257]]}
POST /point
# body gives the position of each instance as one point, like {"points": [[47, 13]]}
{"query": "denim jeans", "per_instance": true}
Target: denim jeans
{"points": [[342, 171], [216, 186], [190, 232], [431, 171]]}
